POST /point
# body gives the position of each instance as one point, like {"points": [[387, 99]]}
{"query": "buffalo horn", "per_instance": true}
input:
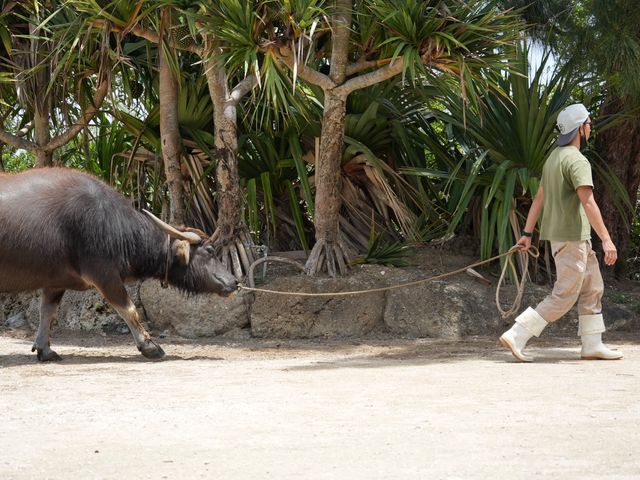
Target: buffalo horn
{"points": [[192, 238]]}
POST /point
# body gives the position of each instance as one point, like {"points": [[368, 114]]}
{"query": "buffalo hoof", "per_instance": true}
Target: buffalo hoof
{"points": [[47, 355], [150, 349]]}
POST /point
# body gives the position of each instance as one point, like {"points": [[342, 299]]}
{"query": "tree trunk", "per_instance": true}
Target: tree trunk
{"points": [[226, 142], [41, 131], [231, 233], [38, 87], [328, 170], [328, 250], [619, 147], [170, 130]]}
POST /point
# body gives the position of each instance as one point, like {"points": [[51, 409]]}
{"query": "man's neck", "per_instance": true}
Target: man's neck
{"points": [[575, 142]]}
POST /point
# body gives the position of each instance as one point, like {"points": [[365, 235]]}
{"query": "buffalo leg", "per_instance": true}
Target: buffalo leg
{"points": [[48, 308], [117, 296]]}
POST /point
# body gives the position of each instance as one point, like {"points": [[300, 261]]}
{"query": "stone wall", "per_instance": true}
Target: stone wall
{"points": [[453, 307]]}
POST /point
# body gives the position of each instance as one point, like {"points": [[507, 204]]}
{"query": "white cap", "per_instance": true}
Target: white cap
{"points": [[569, 120]]}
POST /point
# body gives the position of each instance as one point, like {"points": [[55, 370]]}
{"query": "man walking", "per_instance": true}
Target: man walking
{"points": [[570, 211]]}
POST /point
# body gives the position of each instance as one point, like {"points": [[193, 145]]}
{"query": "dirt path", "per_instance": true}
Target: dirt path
{"points": [[384, 409]]}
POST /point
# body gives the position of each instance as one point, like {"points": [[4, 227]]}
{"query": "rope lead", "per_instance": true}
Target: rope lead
{"points": [[532, 251]]}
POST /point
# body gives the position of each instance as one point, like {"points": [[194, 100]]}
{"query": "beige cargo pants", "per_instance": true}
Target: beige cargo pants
{"points": [[579, 279]]}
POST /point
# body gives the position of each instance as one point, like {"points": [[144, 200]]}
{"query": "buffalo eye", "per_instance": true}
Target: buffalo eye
{"points": [[210, 250]]}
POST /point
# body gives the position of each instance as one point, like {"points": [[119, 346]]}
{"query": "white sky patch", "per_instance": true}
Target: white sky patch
{"points": [[536, 52]]}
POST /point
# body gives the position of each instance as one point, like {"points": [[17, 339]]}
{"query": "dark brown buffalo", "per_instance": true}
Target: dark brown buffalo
{"points": [[61, 229]]}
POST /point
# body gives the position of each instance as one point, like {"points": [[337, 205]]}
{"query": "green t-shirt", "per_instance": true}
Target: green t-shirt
{"points": [[563, 218]]}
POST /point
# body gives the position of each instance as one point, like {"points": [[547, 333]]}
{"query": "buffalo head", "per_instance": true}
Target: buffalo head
{"points": [[193, 265]]}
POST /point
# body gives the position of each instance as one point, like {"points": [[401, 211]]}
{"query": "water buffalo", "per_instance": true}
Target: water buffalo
{"points": [[61, 229]]}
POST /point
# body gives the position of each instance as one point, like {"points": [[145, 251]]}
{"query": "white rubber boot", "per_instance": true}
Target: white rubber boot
{"points": [[590, 328], [528, 324]]}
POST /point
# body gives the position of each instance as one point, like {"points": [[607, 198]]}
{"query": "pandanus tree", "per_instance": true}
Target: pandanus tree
{"points": [[58, 90], [227, 90], [203, 33], [169, 80], [126, 23], [235, 68], [343, 46], [174, 27], [335, 48]]}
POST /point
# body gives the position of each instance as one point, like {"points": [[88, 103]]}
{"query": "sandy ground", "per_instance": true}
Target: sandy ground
{"points": [[373, 409]]}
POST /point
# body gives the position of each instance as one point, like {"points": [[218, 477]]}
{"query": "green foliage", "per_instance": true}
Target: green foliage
{"points": [[601, 38], [232, 22], [462, 39], [14, 160], [277, 181], [105, 152], [502, 147], [240, 34], [383, 134], [420, 173], [383, 252]]}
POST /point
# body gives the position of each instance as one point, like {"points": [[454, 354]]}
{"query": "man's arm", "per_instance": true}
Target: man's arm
{"points": [[585, 193], [532, 217]]}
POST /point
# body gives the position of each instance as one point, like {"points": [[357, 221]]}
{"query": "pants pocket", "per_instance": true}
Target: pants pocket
{"points": [[572, 255], [557, 247]]}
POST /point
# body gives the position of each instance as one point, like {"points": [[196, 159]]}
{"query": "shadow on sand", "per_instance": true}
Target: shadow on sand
{"points": [[323, 354]]}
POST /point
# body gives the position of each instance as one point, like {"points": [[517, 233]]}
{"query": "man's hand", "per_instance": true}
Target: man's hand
{"points": [[525, 242], [610, 252]]}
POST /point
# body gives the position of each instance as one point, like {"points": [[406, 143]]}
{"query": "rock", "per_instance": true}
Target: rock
{"points": [[114, 323], [293, 316], [18, 320], [87, 310], [436, 309], [237, 334], [195, 315], [12, 304]]}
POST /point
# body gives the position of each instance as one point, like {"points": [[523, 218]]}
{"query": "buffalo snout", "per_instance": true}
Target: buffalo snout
{"points": [[218, 279], [229, 289], [225, 280]]}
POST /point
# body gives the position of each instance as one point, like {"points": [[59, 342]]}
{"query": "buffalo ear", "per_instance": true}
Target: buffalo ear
{"points": [[181, 250]]}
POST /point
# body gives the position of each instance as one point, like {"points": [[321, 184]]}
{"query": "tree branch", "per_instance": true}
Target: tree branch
{"points": [[19, 134], [83, 121], [368, 79], [307, 74], [17, 142], [362, 65], [24, 130], [150, 35], [153, 37], [340, 25], [242, 88]]}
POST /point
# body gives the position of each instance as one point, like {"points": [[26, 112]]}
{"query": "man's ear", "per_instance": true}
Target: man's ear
{"points": [[181, 250]]}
